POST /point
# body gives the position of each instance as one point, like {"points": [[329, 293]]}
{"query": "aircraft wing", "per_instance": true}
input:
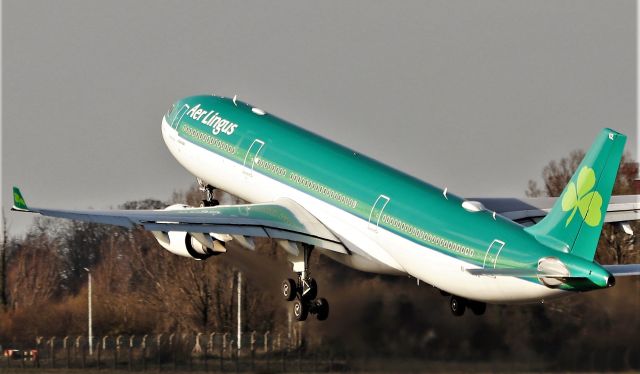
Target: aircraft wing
{"points": [[623, 270], [281, 219], [527, 211]]}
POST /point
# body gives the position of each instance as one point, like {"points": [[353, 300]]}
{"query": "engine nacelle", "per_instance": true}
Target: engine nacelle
{"points": [[189, 244]]}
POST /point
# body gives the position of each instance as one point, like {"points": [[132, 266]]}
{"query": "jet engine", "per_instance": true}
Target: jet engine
{"points": [[190, 244], [197, 245]]}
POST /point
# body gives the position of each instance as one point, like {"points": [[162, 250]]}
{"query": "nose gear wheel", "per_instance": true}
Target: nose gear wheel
{"points": [[209, 191]]}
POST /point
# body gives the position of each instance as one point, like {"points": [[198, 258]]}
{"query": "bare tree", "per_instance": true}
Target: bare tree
{"points": [[556, 175], [195, 295], [79, 249], [35, 269]]}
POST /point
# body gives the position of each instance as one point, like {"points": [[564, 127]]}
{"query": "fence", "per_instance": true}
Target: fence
{"points": [[266, 352], [219, 352]]}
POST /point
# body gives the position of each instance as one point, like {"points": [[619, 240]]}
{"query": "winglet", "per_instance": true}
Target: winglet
{"points": [[18, 201]]}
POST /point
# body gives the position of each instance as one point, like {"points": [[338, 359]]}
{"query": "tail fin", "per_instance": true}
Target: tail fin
{"points": [[575, 221], [18, 200]]}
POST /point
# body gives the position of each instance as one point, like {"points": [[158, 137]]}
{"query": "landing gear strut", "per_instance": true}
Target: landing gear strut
{"points": [[208, 190], [304, 291]]}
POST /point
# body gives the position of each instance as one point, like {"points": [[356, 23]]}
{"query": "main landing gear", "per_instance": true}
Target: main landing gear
{"points": [[304, 291], [458, 306], [208, 190]]}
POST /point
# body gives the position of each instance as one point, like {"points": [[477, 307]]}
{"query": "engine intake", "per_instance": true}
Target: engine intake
{"points": [[194, 245], [196, 249], [190, 244]]}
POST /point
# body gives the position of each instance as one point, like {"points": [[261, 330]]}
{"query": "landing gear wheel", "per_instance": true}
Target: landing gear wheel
{"points": [[300, 310], [457, 305], [209, 192], [478, 308], [304, 290], [289, 289], [312, 292], [322, 309], [205, 203]]}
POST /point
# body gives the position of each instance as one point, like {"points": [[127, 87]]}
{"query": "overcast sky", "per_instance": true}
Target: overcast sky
{"points": [[475, 96]]}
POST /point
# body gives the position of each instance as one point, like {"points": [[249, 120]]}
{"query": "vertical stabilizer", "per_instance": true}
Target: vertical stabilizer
{"points": [[575, 221]]}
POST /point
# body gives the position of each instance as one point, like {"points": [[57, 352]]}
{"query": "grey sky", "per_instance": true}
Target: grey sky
{"points": [[476, 96]]}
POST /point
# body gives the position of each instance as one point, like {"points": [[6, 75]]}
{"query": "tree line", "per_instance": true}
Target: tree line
{"points": [[139, 288]]}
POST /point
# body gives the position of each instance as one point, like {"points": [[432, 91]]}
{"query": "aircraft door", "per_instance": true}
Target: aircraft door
{"points": [[178, 118], [376, 212], [492, 254], [253, 154]]}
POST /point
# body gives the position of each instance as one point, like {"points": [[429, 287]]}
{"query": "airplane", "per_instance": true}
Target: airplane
{"points": [[311, 194]]}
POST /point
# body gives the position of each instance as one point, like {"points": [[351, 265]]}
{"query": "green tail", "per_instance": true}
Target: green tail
{"points": [[575, 221], [18, 200]]}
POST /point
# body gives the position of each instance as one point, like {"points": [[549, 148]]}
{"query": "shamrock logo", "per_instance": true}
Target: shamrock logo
{"points": [[588, 203], [18, 199]]}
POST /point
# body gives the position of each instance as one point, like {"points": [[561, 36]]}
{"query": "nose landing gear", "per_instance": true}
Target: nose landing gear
{"points": [[208, 189], [304, 291]]}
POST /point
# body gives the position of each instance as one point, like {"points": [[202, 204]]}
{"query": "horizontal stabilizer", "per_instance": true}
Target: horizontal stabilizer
{"points": [[527, 211], [623, 270]]}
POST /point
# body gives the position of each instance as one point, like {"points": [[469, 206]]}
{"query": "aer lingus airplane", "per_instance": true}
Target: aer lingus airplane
{"points": [[309, 193]]}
